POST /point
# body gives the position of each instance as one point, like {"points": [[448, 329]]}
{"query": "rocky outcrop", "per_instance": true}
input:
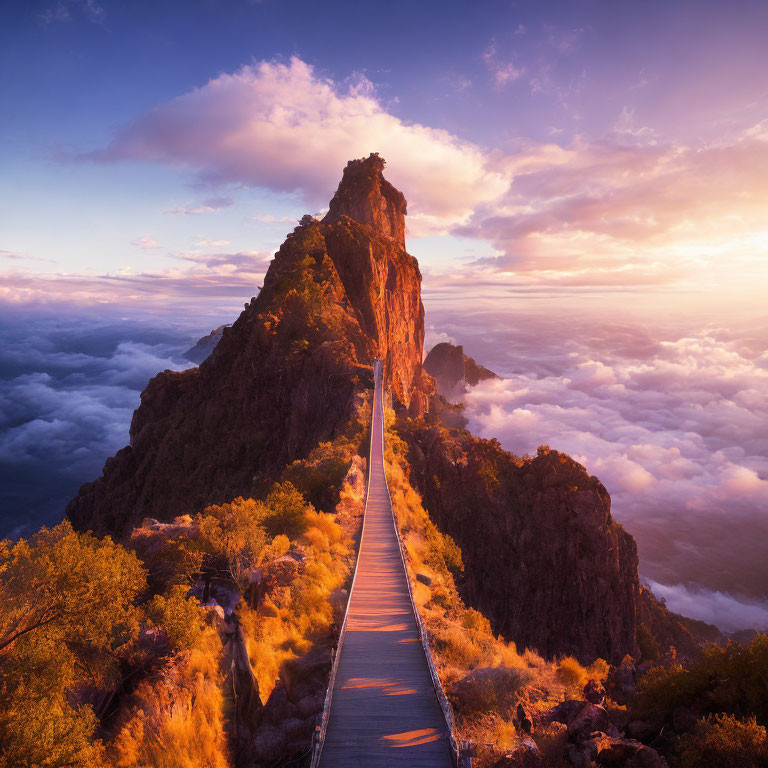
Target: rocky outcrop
{"points": [[283, 377], [203, 347], [595, 741], [671, 630], [544, 560], [454, 371], [366, 197]]}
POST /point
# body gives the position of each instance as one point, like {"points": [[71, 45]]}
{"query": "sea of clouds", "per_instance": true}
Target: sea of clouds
{"points": [[671, 416], [69, 383]]}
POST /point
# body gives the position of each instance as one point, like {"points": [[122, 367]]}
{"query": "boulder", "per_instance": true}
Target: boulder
{"points": [[612, 752], [565, 711], [590, 719], [594, 693], [423, 578], [621, 681], [269, 743], [615, 752]]}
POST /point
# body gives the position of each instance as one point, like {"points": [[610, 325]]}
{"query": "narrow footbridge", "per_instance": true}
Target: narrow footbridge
{"points": [[385, 705]]}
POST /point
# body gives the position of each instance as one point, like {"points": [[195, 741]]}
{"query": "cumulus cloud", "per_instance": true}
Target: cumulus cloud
{"points": [[69, 384], [285, 127], [673, 420]]}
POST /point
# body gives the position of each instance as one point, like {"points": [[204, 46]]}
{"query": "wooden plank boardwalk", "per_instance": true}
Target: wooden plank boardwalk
{"points": [[384, 710]]}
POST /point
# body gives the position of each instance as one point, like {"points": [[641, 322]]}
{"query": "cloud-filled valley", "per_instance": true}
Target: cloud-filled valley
{"points": [[672, 418], [68, 388]]}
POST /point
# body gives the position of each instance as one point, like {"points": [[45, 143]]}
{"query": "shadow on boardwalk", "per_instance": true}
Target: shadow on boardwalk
{"points": [[384, 710]]}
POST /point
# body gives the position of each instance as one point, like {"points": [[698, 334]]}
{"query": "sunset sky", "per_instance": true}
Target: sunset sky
{"points": [[587, 185], [164, 148]]}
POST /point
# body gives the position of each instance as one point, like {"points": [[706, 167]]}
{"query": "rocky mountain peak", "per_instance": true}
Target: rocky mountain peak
{"points": [[286, 374], [365, 196], [453, 370]]}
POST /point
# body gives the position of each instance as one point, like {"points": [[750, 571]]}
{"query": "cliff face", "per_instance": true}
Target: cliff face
{"points": [[199, 351], [544, 560], [283, 377], [453, 370]]}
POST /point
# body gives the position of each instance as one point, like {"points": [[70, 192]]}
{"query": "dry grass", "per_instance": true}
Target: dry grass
{"points": [[484, 676], [572, 675], [287, 627], [176, 721]]}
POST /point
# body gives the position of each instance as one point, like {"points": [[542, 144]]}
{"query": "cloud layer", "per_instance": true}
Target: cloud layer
{"points": [[673, 420], [202, 284], [629, 209], [68, 388]]}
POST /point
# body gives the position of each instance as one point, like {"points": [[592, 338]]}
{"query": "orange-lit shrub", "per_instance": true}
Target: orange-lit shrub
{"points": [[723, 741], [571, 674]]}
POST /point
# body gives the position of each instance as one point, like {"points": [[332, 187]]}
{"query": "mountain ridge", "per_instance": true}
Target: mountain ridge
{"points": [[288, 374], [283, 377]]}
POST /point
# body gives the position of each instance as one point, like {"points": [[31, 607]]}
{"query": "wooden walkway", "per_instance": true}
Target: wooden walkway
{"points": [[384, 710]]}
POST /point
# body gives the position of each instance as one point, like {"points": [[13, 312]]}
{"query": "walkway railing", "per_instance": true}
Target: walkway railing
{"points": [[445, 707], [318, 738]]}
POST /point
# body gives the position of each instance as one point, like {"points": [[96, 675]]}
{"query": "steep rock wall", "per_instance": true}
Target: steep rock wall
{"points": [[544, 559], [338, 294]]}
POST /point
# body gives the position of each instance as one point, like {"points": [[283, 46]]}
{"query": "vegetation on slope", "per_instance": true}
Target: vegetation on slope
{"points": [[715, 710], [107, 657], [67, 622], [485, 677]]}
